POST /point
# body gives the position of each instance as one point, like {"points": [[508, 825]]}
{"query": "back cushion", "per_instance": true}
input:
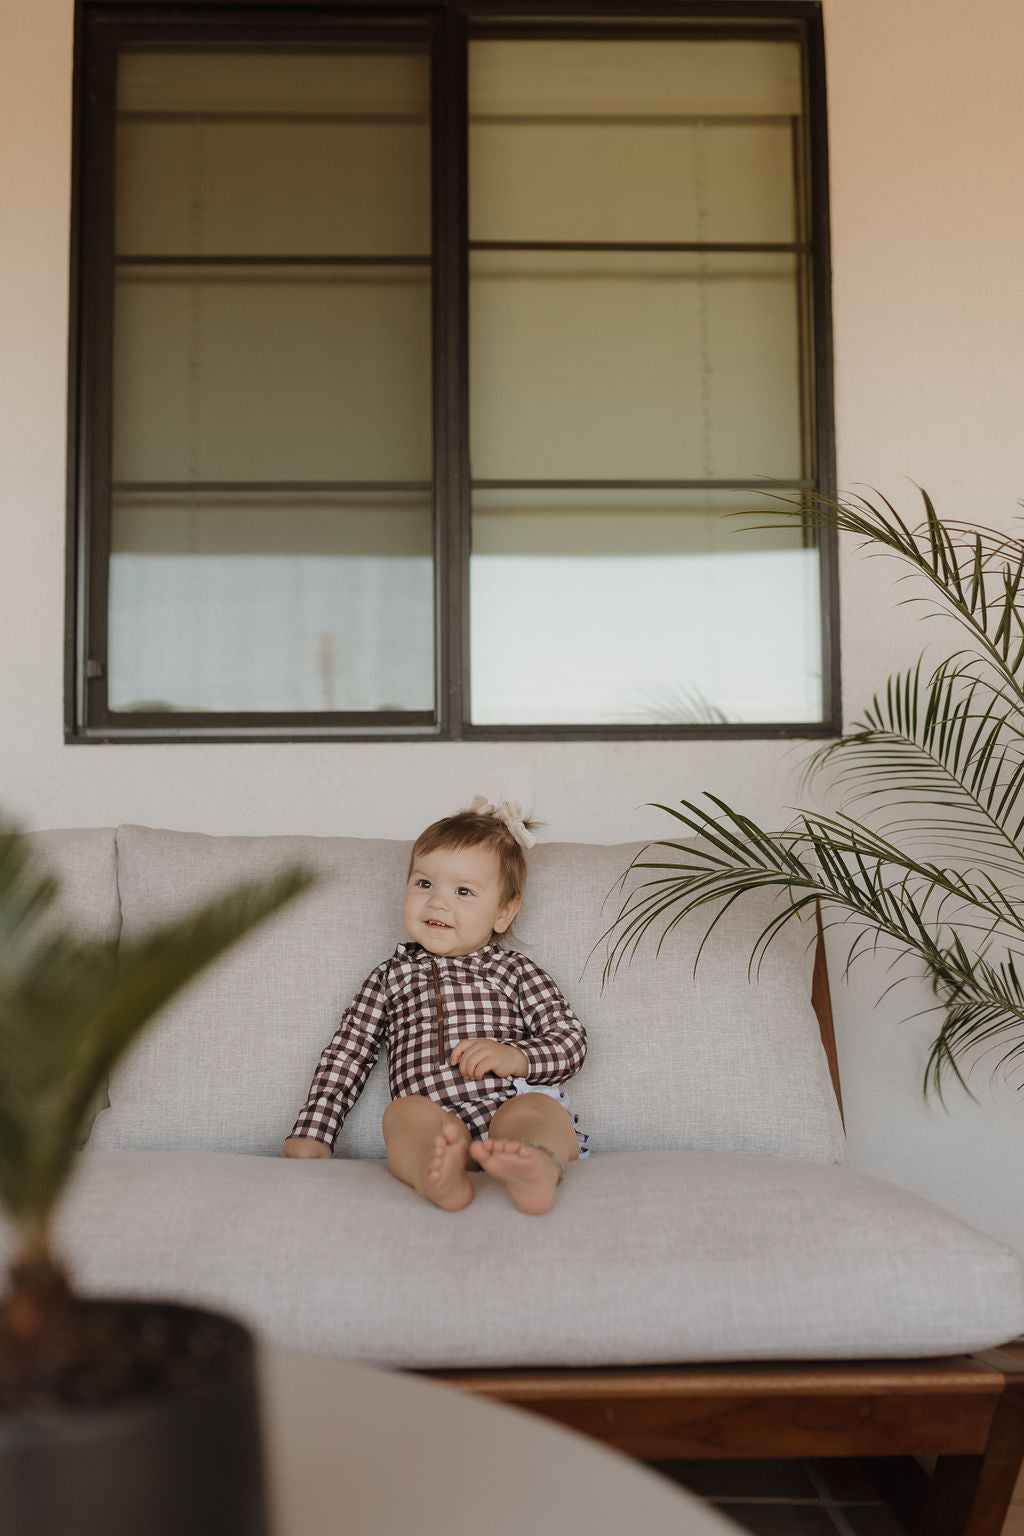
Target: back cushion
{"points": [[711, 1062], [226, 1065], [708, 1060], [84, 862]]}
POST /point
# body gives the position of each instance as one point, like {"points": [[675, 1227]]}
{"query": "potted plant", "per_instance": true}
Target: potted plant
{"points": [[115, 1416], [924, 852]]}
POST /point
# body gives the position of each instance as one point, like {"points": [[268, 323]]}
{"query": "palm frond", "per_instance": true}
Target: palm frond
{"points": [[983, 1003], [69, 1008], [935, 762], [26, 897], [974, 572], [925, 854], [817, 859]]}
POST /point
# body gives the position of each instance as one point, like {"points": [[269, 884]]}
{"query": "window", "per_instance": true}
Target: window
{"points": [[431, 367]]}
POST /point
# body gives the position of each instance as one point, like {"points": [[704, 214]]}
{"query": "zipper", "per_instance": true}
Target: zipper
{"points": [[439, 1005]]}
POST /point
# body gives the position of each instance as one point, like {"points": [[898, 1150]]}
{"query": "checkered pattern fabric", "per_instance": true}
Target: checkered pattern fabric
{"points": [[420, 1005]]}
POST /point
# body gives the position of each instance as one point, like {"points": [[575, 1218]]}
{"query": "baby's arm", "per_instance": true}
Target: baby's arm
{"points": [[306, 1146], [344, 1067], [556, 1046]]}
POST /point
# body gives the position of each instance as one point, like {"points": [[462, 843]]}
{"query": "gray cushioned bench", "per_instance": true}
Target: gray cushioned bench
{"points": [[715, 1279]]}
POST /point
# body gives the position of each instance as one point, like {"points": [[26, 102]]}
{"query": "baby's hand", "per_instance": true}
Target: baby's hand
{"points": [[475, 1058], [305, 1146]]}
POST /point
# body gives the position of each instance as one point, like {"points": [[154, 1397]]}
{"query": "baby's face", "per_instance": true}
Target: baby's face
{"points": [[453, 901]]}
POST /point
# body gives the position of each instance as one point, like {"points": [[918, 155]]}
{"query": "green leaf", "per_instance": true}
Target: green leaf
{"points": [[70, 1008], [925, 852]]}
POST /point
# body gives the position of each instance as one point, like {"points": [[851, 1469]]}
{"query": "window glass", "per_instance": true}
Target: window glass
{"points": [[238, 602], [229, 153], [608, 365], [267, 373], [642, 608], [271, 540], [633, 140], [367, 432], [639, 365]]}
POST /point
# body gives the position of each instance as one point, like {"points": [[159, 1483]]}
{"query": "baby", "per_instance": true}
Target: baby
{"points": [[478, 1037]]}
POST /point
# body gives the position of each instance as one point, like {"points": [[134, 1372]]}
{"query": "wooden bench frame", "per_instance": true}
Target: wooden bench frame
{"points": [[966, 1412]]}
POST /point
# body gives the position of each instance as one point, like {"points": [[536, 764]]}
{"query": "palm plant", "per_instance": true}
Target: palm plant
{"points": [[69, 1008], [925, 853]]}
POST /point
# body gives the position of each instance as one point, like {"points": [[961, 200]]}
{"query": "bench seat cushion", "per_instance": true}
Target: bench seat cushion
{"points": [[648, 1257]]}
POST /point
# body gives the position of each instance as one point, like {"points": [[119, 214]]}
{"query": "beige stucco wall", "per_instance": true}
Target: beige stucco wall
{"points": [[927, 123]]}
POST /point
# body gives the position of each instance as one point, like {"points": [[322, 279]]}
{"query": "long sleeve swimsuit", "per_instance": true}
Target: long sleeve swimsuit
{"points": [[420, 1004]]}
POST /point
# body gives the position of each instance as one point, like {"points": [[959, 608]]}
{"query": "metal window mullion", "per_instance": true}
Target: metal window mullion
{"points": [[95, 465], [641, 247], [270, 487], [816, 118], [212, 115], [762, 484], [451, 371], [663, 20], [75, 509], [214, 260]]}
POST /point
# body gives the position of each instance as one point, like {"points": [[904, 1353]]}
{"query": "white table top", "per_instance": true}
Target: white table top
{"points": [[355, 1451]]}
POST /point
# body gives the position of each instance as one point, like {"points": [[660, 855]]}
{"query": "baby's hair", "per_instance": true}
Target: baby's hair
{"points": [[474, 829]]}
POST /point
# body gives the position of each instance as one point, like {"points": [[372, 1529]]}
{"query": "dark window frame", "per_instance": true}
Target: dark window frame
{"points": [[101, 26]]}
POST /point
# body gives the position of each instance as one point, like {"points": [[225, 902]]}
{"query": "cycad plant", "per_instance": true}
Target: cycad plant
{"points": [[925, 854], [69, 1008]]}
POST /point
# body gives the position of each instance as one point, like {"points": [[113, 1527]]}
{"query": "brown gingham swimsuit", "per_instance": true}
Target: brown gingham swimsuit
{"points": [[420, 1004]]}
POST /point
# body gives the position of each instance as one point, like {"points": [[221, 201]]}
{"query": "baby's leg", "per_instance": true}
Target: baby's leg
{"points": [[525, 1137], [427, 1148]]}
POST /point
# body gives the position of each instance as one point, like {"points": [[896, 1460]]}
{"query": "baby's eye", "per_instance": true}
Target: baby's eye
{"points": [[423, 884], [463, 890]]}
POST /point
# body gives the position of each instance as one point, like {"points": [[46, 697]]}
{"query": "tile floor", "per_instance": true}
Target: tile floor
{"points": [[802, 1498], [789, 1498]]}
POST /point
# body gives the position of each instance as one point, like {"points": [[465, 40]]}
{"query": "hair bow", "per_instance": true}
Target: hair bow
{"points": [[509, 813]]}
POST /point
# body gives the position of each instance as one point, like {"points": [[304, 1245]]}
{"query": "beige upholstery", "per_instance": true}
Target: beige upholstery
{"points": [[714, 1222], [648, 1256], [227, 1067], [84, 862]]}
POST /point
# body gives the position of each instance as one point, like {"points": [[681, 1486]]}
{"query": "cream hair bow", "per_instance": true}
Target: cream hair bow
{"points": [[508, 812]]}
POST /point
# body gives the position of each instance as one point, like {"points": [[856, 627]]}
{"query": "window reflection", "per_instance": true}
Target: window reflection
{"points": [[223, 605], [589, 609]]}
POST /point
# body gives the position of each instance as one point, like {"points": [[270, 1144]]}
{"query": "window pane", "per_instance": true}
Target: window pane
{"points": [[272, 526], [629, 366], [272, 372], [652, 609], [635, 141], [255, 328], [609, 361], [243, 603], [231, 153]]}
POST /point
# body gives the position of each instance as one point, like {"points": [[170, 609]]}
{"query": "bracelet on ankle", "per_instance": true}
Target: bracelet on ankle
{"points": [[553, 1156]]}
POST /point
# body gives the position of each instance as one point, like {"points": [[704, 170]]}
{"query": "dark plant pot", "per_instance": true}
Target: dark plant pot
{"points": [[178, 1456]]}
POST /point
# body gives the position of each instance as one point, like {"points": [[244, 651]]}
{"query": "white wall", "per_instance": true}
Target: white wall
{"points": [[927, 122]]}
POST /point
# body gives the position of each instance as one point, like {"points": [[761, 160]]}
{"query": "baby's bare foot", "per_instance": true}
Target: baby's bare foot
{"points": [[445, 1180], [529, 1174]]}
